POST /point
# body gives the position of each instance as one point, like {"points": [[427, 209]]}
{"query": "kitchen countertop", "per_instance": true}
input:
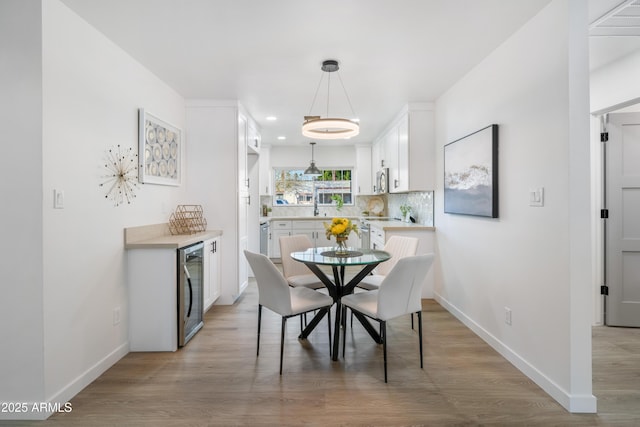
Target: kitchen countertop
{"points": [[399, 225], [157, 236], [375, 221]]}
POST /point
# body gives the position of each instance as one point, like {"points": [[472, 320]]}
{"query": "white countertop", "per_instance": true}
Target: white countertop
{"points": [[374, 221], [158, 236]]}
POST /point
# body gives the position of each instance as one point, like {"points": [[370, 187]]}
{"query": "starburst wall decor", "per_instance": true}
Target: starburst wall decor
{"points": [[122, 178]]}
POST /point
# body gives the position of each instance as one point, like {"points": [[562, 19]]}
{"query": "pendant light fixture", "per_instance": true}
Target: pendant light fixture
{"points": [[312, 170], [329, 127]]}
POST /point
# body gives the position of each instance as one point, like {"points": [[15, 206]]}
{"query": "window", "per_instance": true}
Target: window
{"points": [[294, 188]]}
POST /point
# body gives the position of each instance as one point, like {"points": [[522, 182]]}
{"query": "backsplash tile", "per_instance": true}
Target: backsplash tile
{"points": [[421, 207]]}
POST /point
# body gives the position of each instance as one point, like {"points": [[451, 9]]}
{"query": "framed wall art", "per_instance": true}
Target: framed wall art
{"points": [[160, 145], [471, 174]]}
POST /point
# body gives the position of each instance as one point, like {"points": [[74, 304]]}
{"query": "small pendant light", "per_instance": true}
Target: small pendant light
{"points": [[312, 170]]}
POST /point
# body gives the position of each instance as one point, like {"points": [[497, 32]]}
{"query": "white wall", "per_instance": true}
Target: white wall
{"points": [[325, 156], [91, 91], [616, 84], [536, 261], [21, 317]]}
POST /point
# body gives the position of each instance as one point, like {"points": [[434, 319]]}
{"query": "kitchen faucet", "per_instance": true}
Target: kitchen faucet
{"points": [[316, 212]]}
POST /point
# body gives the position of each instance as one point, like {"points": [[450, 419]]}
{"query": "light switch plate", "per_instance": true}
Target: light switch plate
{"points": [[58, 199], [536, 197]]}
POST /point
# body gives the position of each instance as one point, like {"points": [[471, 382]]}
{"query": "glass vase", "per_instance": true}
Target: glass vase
{"points": [[341, 246]]}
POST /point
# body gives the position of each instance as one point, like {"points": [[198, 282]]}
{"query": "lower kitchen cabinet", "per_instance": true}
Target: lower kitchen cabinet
{"points": [[278, 228], [313, 228], [212, 288], [379, 234]]}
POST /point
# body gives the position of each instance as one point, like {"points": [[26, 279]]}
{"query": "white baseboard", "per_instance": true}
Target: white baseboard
{"points": [[59, 402], [575, 404]]}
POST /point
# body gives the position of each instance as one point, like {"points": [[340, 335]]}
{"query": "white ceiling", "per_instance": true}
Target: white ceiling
{"points": [[267, 54]]}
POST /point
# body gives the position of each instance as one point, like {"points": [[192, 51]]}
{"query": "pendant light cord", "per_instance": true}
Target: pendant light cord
{"points": [[346, 94], [315, 96]]}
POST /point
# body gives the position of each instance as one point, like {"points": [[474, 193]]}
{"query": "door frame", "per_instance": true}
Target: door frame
{"points": [[599, 125]]}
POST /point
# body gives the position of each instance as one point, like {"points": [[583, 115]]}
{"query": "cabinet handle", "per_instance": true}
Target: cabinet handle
{"points": [[395, 183], [381, 163]]}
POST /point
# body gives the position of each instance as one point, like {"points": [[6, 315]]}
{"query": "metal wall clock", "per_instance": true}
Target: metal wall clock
{"points": [[122, 177]]}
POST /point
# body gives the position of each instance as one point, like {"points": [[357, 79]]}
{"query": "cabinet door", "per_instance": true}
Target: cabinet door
{"points": [[308, 228], [402, 182], [363, 170], [377, 238], [265, 171], [275, 241], [391, 154], [376, 163], [212, 286], [253, 138], [243, 181]]}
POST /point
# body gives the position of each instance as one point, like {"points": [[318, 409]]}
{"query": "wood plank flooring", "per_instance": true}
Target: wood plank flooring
{"points": [[217, 380]]}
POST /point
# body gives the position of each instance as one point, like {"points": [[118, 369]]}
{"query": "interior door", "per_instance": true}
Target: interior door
{"points": [[622, 240]]}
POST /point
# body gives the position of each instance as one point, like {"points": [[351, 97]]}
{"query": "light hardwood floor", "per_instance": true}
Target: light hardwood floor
{"points": [[217, 380]]}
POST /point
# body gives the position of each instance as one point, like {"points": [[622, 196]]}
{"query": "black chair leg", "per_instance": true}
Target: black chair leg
{"points": [[284, 323], [420, 336], [344, 332], [259, 320], [329, 323], [383, 335], [412, 321]]}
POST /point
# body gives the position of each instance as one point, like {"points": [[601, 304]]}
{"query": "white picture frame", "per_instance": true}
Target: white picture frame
{"points": [[159, 150]]}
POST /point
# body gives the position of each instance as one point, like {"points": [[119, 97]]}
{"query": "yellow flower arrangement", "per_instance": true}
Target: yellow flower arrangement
{"points": [[340, 227]]}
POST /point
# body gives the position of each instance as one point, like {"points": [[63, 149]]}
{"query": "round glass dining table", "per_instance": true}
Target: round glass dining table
{"points": [[366, 259]]}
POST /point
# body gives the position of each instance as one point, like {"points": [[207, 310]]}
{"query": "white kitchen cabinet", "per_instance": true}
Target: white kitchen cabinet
{"points": [[416, 151], [253, 138], [407, 148], [380, 232], [212, 287], [376, 237], [391, 155], [265, 170], [363, 170], [278, 228], [311, 228]]}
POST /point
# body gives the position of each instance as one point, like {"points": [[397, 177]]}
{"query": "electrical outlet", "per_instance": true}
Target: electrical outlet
{"points": [[116, 316], [507, 315]]}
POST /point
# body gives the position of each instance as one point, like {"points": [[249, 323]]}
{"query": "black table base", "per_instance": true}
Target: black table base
{"points": [[337, 289]]}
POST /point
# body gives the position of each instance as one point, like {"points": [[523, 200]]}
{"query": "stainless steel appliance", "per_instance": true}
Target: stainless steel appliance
{"points": [[190, 291], [264, 238], [382, 181], [364, 234]]}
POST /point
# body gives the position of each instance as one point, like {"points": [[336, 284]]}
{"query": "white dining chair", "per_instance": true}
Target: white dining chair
{"points": [[399, 247], [296, 273], [275, 293], [399, 293]]}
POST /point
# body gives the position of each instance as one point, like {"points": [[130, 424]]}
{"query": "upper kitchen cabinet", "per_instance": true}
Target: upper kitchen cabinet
{"points": [[265, 170], [363, 170], [407, 148], [253, 138]]}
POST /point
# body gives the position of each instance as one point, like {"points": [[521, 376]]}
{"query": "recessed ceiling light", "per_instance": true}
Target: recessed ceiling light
{"points": [[271, 118], [281, 138]]}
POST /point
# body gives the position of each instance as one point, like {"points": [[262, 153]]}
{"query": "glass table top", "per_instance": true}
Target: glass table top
{"points": [[326, 256]]}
